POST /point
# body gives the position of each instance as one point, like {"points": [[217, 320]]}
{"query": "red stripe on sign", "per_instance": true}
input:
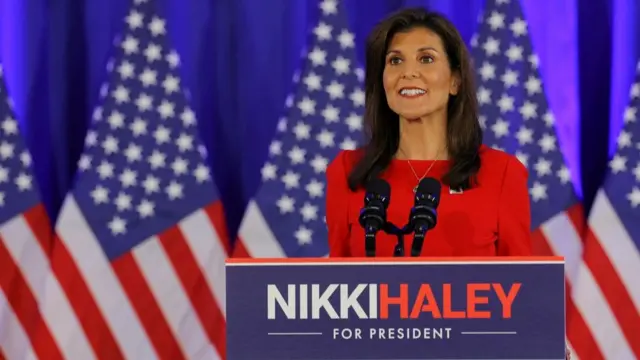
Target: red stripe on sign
{"points": [[472, 259]]}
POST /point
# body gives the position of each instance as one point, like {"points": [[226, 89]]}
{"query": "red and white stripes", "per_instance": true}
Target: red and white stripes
{"points": [[608, 288], [65, 300]]}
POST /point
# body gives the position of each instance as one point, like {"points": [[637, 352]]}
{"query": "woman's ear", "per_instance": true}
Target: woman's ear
{"points": [[455, 83]]}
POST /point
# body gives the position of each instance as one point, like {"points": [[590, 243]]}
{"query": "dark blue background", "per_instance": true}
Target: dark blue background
{"points": [[537, 313]]}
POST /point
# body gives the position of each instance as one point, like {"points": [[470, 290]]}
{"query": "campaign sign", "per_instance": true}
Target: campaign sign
{"points": [[489, 308]]}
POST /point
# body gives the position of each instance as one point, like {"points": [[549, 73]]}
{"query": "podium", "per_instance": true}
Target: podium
{"points": [[395, 308]]}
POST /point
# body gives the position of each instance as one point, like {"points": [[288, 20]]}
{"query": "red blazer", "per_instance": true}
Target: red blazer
{"points": [[490, 219]]}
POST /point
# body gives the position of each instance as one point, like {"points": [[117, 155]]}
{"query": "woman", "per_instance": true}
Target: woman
{"points": [[422, 120]]}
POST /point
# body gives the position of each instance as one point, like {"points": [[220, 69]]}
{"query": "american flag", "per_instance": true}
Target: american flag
{"points": [[25, 239], [286, 217], [516, 118], [609, 285], [142, 245]]}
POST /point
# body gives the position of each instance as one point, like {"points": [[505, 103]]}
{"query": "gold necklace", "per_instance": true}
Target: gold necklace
{"points": [[415, 188]]}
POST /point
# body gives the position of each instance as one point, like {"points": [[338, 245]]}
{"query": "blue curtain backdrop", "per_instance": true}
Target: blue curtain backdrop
{"points": [[239, 57]]}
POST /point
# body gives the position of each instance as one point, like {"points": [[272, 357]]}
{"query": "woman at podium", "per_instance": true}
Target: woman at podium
{"points": [[421, 115]]}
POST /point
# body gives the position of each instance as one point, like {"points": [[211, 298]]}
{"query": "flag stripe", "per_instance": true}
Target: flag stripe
{"points": [[61, 318], [596, 311], [543, 247], [611, 265], [103, 288], [40, 227], [209, 255], [215, 212], [23, 245], [617, 245], [196, 288], [158, 271], [256, 237], [613, 290], [81, 300], [567, 241], [581, 339], [22, 305], [137, 290], [561, 236], [14, 342], [239, 251], [574, 356], [564, 232], [578, 334]]}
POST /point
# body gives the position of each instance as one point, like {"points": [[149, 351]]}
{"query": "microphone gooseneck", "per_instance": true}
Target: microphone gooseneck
{"points": [[423, 216], [373, 215]]}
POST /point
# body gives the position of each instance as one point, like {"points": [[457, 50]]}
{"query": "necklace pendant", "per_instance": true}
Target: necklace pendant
{"points": [[415, 189]]}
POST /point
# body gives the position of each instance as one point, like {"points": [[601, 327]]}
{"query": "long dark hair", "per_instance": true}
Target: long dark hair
{"points": [[464, 134]]}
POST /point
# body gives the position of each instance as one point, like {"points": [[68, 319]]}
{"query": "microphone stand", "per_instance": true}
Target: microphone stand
{"points": [[398, 251], [418, 239], [393, 229], [370, 243]]}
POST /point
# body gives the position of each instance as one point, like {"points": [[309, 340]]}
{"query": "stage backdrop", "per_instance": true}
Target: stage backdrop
{"points": [[239, 57]]}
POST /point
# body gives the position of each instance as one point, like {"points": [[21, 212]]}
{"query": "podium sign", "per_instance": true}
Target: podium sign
{"points": [[400, 308]]}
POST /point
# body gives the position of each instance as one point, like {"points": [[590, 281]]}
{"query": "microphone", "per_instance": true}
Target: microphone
{"points": [[373, 215], [423, 215]]}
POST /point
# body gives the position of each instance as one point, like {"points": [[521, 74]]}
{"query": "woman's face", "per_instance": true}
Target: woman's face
{"points": [[417, 78]]}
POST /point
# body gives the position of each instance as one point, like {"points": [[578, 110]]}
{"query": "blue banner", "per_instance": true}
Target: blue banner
{"points": [[395, 309]]}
